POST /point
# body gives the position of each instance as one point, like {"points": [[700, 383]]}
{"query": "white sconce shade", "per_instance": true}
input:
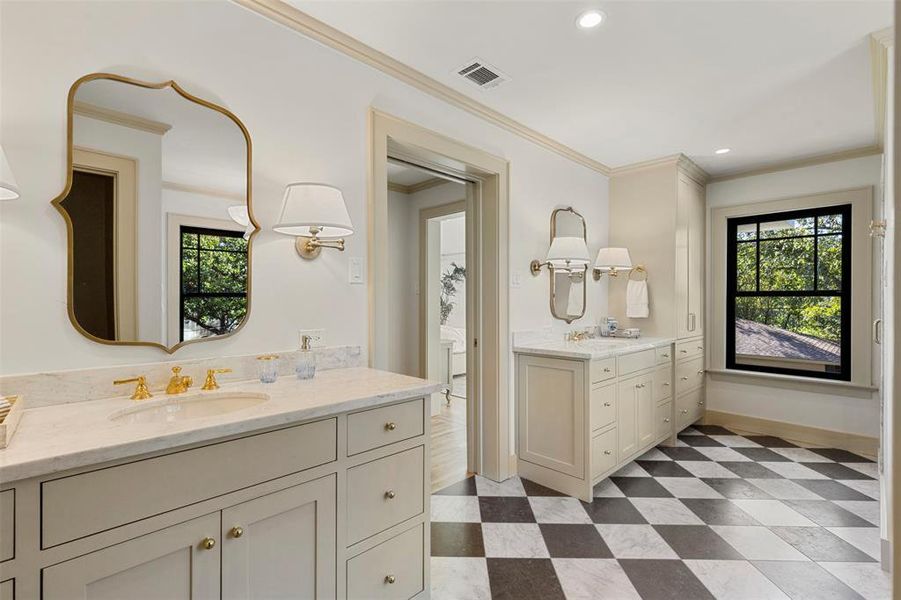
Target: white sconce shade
{"points": [[613, 259], [314, 210], [240, 216], [8, 188], [568, 252]]}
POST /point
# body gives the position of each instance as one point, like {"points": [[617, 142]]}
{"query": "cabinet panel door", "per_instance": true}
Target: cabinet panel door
{"points": [[690, 236], [286, 547], [170, 564], [627, 416], [551, 412], [647, 411]]}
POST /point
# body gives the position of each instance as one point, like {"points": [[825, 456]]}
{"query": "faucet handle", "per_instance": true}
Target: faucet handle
{"points": [[211, 383], [141, 392]]}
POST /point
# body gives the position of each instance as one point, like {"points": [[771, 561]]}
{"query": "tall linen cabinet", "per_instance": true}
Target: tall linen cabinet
{"points": [[658, 211]]}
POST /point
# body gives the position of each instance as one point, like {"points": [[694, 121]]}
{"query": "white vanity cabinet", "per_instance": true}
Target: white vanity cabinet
{"points": [[578, 420], [333, 508]]}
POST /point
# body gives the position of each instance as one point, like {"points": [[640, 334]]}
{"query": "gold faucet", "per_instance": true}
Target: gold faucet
{"points": [[141, 391], [210, 383], [178, 384]]}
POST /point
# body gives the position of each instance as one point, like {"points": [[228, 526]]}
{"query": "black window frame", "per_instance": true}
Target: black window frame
{"points": [[182, 294], [844, 294]]}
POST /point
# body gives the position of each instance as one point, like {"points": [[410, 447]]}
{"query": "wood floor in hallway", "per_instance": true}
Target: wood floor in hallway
{"points": [[449, 443]]}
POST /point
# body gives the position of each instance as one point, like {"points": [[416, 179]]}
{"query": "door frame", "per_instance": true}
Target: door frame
{"points": [[488, 343]]}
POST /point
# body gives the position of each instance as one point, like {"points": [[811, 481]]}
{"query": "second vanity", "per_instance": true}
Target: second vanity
{"points": [[587, 408], [300, 489]]}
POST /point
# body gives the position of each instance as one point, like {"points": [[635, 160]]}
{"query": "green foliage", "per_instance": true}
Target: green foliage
{"points": [[786, 264], [216, 267], [449, 281]]}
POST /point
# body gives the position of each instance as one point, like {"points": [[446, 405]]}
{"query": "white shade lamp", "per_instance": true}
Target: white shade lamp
{"points": [[316, 215], [567, 253], [8, 188], [611, 260]]}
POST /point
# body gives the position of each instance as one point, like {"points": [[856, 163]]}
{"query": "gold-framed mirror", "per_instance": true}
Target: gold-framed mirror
{"points": [[567, 263], [158, 212]]}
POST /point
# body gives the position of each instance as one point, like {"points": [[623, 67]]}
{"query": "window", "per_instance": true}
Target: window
{"points": [[213, 293], [788, 293]]}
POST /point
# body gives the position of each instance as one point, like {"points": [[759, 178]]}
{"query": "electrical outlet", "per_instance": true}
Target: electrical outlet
{"points": [[314, 333], [355, 271]]}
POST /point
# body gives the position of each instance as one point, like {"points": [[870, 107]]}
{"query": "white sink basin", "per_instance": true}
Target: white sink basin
{"points": [[182, 408]]}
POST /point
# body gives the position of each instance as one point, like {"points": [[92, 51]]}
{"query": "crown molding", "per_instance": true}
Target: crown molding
{"points": [[674, 160], [810, 161], [119, 118], [880, 42], [293, 18], [417, 187], [203, 191]]}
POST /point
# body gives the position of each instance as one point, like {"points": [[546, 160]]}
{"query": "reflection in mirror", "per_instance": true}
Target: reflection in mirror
{"points": [[158, 207], [568, 293]]}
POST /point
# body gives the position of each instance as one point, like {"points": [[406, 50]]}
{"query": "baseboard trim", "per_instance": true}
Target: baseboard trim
{"points": [[852, 442]]}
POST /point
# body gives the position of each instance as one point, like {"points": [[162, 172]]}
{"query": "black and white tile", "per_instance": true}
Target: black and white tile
{"points": [[719, 516]]}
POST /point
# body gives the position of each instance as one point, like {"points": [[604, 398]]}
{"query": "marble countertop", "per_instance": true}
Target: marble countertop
{"points": [[590, 349], [67, 436]]}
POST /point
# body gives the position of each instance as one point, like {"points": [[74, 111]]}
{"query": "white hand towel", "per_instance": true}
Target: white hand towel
{"points": [[574, 300], [637, 299]]}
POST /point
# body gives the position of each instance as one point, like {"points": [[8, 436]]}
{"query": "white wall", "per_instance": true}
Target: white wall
{"points": [[814, 405], [306, 108]]}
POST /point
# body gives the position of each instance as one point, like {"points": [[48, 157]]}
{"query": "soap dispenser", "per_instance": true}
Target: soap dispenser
{"points": [[306, 358]]}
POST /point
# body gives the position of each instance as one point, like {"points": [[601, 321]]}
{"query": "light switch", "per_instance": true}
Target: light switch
{"points": [[355, 270], [516, 279]]}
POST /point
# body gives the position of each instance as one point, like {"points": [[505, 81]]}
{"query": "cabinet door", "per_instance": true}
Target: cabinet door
{"points": [[171, 563], [690, 236], [627, 416], [550, 396], [647, 411], [282, 545]]}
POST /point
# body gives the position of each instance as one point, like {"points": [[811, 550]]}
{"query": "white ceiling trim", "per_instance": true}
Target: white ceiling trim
{"points": [[203, 191], [299, 21], [116, 117], [688, 165], [810, 161], [880, 42], [417, 187]]}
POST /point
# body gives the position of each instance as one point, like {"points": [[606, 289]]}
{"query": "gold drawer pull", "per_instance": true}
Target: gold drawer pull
{"points": [[684, 351], [606, 369], [701, 372], [390, 495], [684, 378], [700, 403], [607, 452], [684, 411], [208, 543], [606, 404], [391, 426], [390, 578], [666, 420], [665, 355], [237, 532], [701, 348], [666, 384]]}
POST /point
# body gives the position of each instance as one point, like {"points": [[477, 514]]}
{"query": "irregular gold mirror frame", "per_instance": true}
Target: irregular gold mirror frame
{"points": [[57, 203], [584, 275]]}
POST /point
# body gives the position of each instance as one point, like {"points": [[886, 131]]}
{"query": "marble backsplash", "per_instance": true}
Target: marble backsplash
{"points": [[63, 387]]}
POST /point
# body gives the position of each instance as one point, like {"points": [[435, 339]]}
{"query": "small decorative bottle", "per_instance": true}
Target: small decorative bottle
{"points": [[268, 368], [305, 367]]}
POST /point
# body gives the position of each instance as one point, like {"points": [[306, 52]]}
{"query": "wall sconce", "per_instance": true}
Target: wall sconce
{"points": [[317, 215], [8, 188], [610, 261], [565, 254]]}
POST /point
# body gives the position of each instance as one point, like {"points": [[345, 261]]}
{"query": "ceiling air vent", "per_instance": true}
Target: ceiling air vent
{"points": [[481, 74]]}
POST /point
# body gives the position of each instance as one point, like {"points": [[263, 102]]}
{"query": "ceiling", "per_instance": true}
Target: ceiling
{"points": [[772, 80], [406, 175]]}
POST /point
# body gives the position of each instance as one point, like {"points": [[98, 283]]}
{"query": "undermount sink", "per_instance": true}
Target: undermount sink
{"points": [[183, 408]]}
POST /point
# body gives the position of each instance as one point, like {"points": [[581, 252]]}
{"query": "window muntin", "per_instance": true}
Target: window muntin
{"points": [[213, 282], [787, 308]]}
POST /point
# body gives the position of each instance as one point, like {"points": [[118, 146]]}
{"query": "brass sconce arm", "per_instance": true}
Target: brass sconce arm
{"points": [[310, 247]]}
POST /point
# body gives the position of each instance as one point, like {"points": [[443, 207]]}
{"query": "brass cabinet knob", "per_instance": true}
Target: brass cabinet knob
{"points": [[701, 348], [665, 355], [666, 384], [390, 495], [237, 532], [684, 411], [700, 371], [684, 351], [606, 404], [391, 426], [700, 403], [606, 369], [208, 543], [607, 452], [390, 578], [666, 420], [684, 378]]}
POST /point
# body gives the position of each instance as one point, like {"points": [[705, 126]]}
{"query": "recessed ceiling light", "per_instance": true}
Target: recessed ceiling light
{"points": [[590, 19], [723, 151]]}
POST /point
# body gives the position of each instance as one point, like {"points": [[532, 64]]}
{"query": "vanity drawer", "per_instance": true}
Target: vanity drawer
{"points": [[134, 491], [603, 406], [7, 524], [689, 408], [664, 354], [603, 452], [383, 493], [664, 420], [637, 361], [689, 375], [602, 370], [663, 386], [392, 570], [385, 425], [689, 348]]}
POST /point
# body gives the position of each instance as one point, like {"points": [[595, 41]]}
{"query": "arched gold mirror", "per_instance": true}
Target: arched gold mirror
{"points": [[567, 263], [158, 212]]}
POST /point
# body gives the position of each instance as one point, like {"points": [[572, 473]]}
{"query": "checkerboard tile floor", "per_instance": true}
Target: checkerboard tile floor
{"points": [[719, 516]]}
